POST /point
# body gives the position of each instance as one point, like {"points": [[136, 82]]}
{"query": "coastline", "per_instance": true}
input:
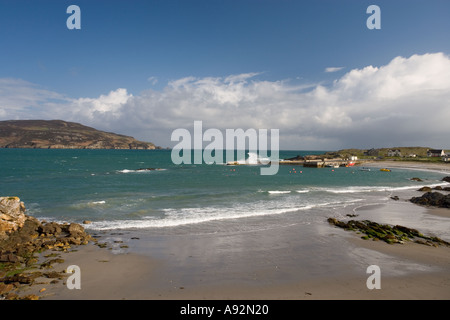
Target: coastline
{"points": [[412, 165], [420, 272], [287, 262], [409, 271]]}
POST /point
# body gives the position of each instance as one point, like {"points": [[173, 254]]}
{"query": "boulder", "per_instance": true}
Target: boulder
{"points": [[50, 228], [435, 199], [446, 179], [425, 189], [12, 215], [75, 230]]}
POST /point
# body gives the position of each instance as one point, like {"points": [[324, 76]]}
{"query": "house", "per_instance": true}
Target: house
{"points": [[435, 153], [372, 152], [394, 153], [446, 158]]}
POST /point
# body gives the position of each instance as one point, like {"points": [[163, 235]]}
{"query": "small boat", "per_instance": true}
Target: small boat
{"points": [[386, 170]]}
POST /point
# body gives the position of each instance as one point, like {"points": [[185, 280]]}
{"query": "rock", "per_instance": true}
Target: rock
{"points": [[87, 222], [75, 229], [5, 288], [446, 179], [21, 278], [30, 297], [433, 199], [416, 179], [22, 236], [54, 275], [425, 189], [387, 233], [396, 198], [50, 228], [12, 215], [9, 257]]}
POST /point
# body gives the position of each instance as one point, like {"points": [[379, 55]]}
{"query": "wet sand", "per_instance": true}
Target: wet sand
{"points": [[287, 262], [408, 271]]}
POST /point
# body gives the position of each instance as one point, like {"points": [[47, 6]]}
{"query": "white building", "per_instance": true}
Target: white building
{"points": [[394, 153], [435, 153]]}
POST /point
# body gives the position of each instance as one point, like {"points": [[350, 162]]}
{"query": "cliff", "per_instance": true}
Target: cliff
{"points": [[58, 134]]}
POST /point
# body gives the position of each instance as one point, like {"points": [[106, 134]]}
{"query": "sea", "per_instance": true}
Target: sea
{"points": [[144, 189]]}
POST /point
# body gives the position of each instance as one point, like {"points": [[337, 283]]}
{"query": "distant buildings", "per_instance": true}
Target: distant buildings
{"points": [[435, 153], [372, 152], [394, 153]]}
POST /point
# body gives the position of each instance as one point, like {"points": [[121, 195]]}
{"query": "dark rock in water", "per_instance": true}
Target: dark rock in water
{"points": [[387, 233], [441, 188], [434, 199], [446, 179], [416, 179], [425, 189], [396, 198]]}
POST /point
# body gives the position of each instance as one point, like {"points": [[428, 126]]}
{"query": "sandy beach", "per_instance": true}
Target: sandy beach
{"points": [[288, 262], [422, 273], [416, 165]]}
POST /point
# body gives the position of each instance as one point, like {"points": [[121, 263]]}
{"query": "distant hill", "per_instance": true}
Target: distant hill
{"points": [[58, 134]]}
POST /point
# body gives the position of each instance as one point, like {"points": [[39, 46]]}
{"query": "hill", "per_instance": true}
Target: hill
{"points": [[58, 134]]}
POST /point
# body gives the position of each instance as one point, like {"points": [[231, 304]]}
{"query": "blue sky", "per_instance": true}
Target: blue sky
{"points": [[129, 54]]}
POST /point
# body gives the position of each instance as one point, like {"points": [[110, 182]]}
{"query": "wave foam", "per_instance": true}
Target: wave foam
{"points": [[139, 170], [278, 191]]}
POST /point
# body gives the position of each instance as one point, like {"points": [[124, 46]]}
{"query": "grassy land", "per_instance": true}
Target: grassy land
{"points": [[420, 152]]}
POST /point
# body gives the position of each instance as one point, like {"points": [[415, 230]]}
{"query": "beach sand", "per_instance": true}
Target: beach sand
{"points": [[408, 271], [417, 165], [105, 275], [270, 264]]}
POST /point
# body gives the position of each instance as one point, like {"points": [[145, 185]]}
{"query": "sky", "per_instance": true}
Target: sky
{"points": [[311, 69]]}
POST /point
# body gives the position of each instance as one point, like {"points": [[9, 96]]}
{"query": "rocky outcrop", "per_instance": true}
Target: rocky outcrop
{"points": [[12, 215], [387, 233], [23, 236], [441, 188], [435, 199], [425, 189], [58, 134], [446, 179]]}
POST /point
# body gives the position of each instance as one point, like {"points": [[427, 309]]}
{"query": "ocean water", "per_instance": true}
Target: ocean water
{"points": [[109, 188]]}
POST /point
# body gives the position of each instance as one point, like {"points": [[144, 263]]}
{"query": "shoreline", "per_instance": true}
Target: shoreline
{"points": [[287, 262], [409, 271], [440, 167]]}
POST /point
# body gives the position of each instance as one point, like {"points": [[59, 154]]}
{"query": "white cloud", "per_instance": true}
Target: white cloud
{"points": [[153, 80], [405, 102], [333, 69]]}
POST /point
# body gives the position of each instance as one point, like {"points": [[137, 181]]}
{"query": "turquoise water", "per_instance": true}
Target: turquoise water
{"points": [[107, 187]]}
